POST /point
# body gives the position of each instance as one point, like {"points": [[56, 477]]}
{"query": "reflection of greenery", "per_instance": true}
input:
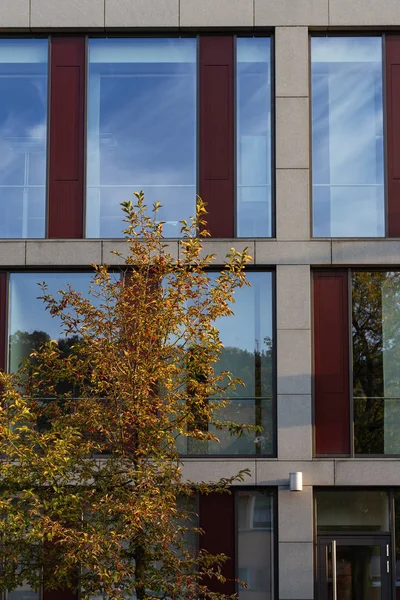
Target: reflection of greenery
{"points": [[376, 333], [23, 343], [251, 403], [255, 369]]}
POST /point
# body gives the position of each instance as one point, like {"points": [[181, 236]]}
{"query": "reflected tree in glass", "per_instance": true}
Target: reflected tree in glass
{"points": [[376, 355]]}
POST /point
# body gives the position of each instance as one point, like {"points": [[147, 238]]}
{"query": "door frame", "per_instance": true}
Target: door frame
{"points": [[355, 539]]}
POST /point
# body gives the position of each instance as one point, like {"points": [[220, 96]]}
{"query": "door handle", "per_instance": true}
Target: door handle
{"points": [[334, 574]]}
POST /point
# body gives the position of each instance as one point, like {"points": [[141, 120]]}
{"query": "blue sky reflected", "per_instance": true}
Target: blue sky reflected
{"points": [[253, 128], [23, 135], [347, 137], [28, 314], [141, 130]]}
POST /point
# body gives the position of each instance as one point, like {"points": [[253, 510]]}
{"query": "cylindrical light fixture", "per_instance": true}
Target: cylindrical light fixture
{"points": [[296, 481]]}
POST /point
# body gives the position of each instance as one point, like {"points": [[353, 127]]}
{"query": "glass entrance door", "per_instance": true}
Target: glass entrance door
{"points": [[354, 568]]}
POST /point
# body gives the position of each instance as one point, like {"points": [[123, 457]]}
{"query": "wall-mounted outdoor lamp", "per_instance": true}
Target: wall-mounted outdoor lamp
{"points": [[296, 481]]}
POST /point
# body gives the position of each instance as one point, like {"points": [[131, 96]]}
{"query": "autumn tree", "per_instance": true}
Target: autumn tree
{"points": [[92, 494]]}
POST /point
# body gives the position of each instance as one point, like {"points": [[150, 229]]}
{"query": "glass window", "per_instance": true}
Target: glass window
{"points": [[354, 510], [247, 337], [23, 592], [141, 130], [23, 136], [376, 357], [253, 99], [30, 324], [255, 544], [347, 137]]}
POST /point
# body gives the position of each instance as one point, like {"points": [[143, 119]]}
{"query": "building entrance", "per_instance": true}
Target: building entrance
{"points": [[354, 567]]}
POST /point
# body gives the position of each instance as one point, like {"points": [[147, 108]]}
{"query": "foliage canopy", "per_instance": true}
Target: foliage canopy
{"points": [[92, 492]]}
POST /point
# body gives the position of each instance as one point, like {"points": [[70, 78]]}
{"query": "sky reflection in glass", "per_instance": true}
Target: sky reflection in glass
{"points": [[347, 137], [28, 315], [141, 130], [253, 137], [23, 135]]}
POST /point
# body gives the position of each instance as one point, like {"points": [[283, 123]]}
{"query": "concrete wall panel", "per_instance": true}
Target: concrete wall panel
{"points": [[292, 204], [364, 12], [214, 469], [12, 253], [67, 13], [269, 13], [221, 247], [63, 254], [273, 472], [294, 361], [291, 61], [142, 13], [109, 246], [14, 13], [294, 427], [293, 297], [296, 576], [367, 472], [292, 133], [292, 253], [223, 13], [296, 515], [365, 252]]}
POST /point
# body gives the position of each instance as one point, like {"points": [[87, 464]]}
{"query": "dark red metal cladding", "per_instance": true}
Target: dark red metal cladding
{"points": [[217, 519], [393, 132], [66, 151], [331, 363], [216, 133], [3, 320], [65, 594]]}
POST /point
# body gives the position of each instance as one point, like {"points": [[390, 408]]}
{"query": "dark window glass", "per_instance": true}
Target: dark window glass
{"points": [[253, 127], [347, 137], [255, 544], [30, 324], [397, 540], [247, 336], [354, 510], [141, 130], [376, 355], [23, 136], [23, 592]]}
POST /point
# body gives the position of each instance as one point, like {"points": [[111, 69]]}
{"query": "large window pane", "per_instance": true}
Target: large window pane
{"points": [[254, 215], [255, 544], [353, 510], [247, 336], [376, 359], [30, 324], [23, 135], [347, 137], [141, 130]]}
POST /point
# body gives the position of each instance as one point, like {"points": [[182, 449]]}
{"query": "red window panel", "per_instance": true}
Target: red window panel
{"points": [[66, 151], [393, 132], [217, 519], [216, 133], [59, 595], [331, 365]]}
